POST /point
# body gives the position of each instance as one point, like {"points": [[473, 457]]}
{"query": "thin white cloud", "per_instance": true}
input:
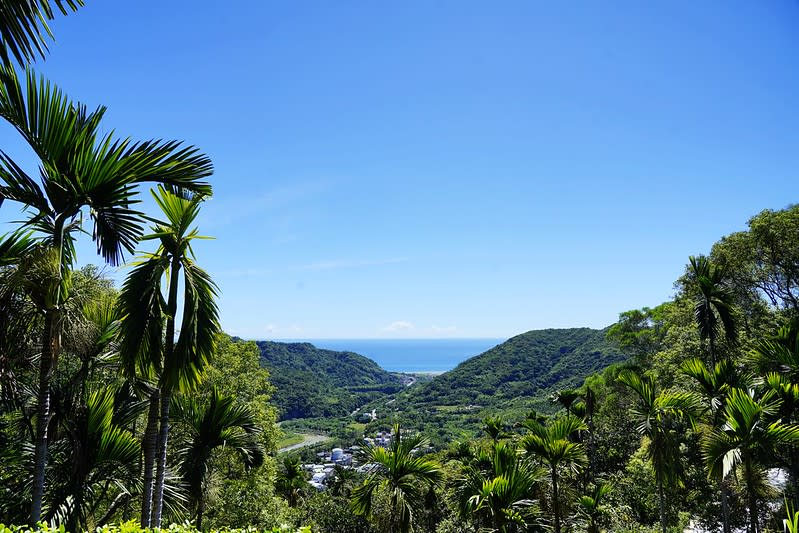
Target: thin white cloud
{"points": [[321, 265], [275, 330], [223, 211], [399, 326], [244, 272], [347, 263]]}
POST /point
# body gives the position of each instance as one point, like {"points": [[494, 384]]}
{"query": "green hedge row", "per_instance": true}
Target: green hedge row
{"points": [[133, 527]]}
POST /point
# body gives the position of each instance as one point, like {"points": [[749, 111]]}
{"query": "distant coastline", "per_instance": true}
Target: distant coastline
{"points": [[410, 356]]}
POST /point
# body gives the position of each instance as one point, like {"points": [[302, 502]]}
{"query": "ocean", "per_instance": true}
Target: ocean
{"points": [[411, 355]]}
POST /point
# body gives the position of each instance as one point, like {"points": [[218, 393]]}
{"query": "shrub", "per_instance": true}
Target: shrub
{"points": [[133, 527]]}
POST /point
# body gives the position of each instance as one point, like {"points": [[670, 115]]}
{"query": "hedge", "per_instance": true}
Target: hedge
{"points": [[133, 527]]}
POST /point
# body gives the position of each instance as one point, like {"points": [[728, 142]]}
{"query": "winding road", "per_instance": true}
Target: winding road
{"points": [[308, 439]]}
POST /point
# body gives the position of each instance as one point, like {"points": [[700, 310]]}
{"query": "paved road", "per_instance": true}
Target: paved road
{"points": [[308, 440]]}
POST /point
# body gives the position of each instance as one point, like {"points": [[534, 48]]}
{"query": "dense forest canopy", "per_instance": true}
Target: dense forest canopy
{"points": [[313, 382]]}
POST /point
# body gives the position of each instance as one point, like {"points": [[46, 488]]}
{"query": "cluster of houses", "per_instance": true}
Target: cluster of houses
{"points": [[382, 438], [324, 469]]}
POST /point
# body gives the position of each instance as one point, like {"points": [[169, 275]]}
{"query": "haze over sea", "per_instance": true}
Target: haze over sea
{"points": [[410, 355]]}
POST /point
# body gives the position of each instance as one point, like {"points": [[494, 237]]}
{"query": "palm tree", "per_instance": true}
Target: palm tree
{"points": [[18, 315], [714, 385], [148, 342], [343, 479], [777, 359], [23, 27], [403, 475], [565, 398], [291, 482], [779, 353], [589, 400], [103, 455], [494, 427], [79, 170], [218, 423], [714, 304], [498, 488], [656, 415], [747, 434], [591, 509], [553, 446]]}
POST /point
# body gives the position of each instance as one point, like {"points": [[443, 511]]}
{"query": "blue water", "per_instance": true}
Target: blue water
{"points": [[412, 355]]}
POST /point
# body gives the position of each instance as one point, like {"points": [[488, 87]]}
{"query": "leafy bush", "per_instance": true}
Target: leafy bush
{"points": [[133, 527]]}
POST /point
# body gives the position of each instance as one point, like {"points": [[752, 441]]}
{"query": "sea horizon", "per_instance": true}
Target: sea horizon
{"points": [[422, 355]]}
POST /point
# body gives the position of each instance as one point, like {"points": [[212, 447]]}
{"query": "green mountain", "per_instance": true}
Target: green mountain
{"points": [[509, 379], [512, 377], [530, 365], [312, 382]]}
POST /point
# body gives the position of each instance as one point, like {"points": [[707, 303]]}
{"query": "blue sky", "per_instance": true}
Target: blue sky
{"points": [[450, 169]]}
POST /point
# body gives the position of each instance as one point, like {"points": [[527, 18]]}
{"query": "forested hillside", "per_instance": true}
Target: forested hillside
{"points": [[530, 365], [312, 382], [513, 378]]}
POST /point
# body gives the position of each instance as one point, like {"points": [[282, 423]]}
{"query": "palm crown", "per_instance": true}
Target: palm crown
{"points": [[404, 474]]}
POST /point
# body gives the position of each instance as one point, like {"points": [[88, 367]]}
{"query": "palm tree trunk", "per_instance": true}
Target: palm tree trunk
{"points": [[725, 506], [555, 502], [591, 447], [150, 447], [166, 393], [160, 473], [200, 511], [750, 488], [662, 501], [50, 347], [712, 353], [121, 499]]}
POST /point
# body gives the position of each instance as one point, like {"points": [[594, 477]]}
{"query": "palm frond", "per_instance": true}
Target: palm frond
{"points": [[169, 163], [715, 302], [216, 423], [24, 29], [141, 307], [14, 246], [57, 129], [198, 332], [641, 385]]}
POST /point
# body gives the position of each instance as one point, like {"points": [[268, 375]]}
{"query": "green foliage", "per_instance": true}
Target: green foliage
{"points": [[714, 302], [534, 364], [220, 423], [508, 380], [239, 496], [236, 370], [291, 482], [640, 332], [400, 475], [23, 24], [554, 444], [592, 508], [792, 521], [328, 513], [765, 259], [133, 527], [312, 382], [497, 487]]}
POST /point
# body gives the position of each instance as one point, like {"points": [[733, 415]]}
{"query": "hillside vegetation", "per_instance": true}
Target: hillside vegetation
{"points": [[513, 378], [312, 382], [531, 365]]}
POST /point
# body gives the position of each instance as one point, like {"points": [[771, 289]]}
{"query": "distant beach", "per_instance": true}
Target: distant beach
{"points": [[410, 355]]}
